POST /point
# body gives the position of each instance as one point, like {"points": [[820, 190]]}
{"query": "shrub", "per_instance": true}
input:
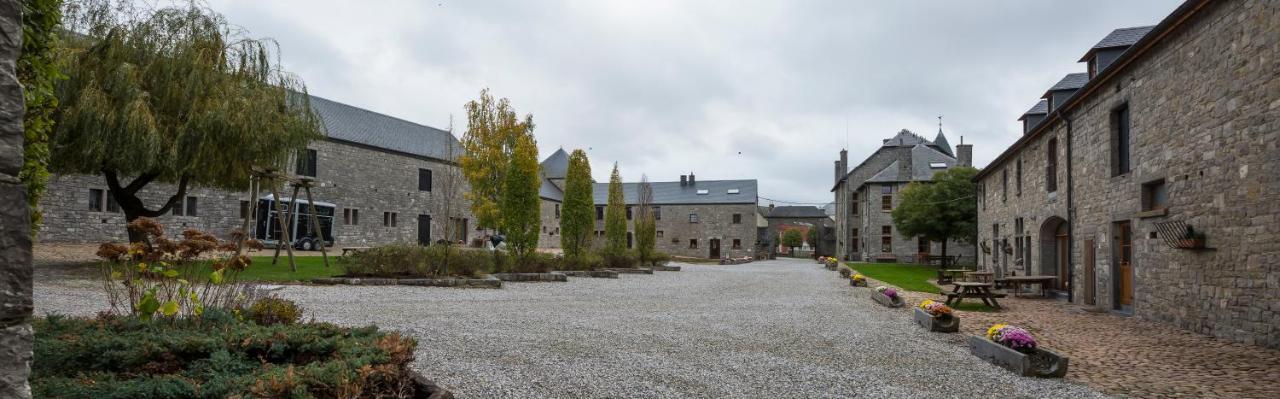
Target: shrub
{"points": [[411, 260], [588, 260], [659, 258], [620, 259], [271, 310], [534, 262], [215, 356]]}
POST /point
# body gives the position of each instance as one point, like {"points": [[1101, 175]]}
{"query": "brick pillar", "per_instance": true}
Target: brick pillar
{"points": [[15, 224]]}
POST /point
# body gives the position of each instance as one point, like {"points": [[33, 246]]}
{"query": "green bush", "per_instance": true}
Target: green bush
{"points": [[620, 259], [271, 310], [411, 260], [588, 260], [659, 258], [215, 356]]}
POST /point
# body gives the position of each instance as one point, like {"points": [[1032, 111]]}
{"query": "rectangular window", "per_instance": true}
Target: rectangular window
{"points": [[886, 190], [737, 218], [657, 213], [306, 163], [112, 205], [424, 179], [346, 216], [854, 244], [177, 209], [693, 218], [191, 206], [599, 213], [1051, 166], [386, 219], [630, 240], [737, 243], [95, 200], [854, 205], [1017, 184], [1004, 185], [628, 213], [886, 230], [922, 245], [355, 216], [557, 211], [393, 219], [693, 243], [982, 194], [886, 202], [1120, 136], [1154, 195], [244, 210], [886, 244], [659, 233]]}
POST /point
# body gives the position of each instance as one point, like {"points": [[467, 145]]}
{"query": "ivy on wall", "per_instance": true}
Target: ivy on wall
{"points": [[38, 70]]}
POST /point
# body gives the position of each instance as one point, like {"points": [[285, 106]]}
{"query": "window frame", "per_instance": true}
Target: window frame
{"points": [[1121, 140], [1051, 165], [95, 200], [428, 176], [305, 164]]}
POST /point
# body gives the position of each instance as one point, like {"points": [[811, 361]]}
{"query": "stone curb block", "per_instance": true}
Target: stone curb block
{"points": [[1043, 363], [531, 277], [487, 282], [630, 270], [943, 324], [589, 273], [666, 268], [887, 301]]}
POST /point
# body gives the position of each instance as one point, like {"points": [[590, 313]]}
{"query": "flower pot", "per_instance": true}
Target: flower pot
{"points": [[948, 323], [854, 283], [1190, 243], [895, 302], [831, 266], [1041, 363]]}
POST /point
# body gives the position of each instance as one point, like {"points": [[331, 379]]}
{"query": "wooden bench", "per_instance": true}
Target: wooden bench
{"points": [[345, 250]]}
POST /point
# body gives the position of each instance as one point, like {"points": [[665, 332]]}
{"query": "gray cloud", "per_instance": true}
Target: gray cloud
{"points": [[665, 87]]}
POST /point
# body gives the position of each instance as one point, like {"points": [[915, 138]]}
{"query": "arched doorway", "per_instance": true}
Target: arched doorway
{"points": [[1054, 244]]}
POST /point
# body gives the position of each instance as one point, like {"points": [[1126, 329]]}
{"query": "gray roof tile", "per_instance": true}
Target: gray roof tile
{"points": [[347, 123], [922, 158], [1123, 37], [556, 166], [1071, 82], [673, 193]]}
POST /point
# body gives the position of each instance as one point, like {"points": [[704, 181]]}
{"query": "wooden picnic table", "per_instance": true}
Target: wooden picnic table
{"points": [[964, 290], [946, 276], [980, 276], [1018, 281], [345, 250]]}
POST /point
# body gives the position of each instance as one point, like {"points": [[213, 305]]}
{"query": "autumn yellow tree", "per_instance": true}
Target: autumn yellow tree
{"points": [[493, 131]]}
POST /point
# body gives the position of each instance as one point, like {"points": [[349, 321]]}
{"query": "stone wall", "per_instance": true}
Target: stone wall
{"points": [[367, 181], [843, 195], [15, 223], [871, 220], [715, 221], [549, 235], [1202, 106]]}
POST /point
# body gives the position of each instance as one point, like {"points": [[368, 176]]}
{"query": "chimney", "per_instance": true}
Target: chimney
{"points": [[904, 163], [964, 154], [684, 180], [691, 181], [844, 162]]}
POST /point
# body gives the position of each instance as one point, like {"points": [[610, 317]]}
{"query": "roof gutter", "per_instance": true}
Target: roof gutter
{"points": [[1164, 28]]}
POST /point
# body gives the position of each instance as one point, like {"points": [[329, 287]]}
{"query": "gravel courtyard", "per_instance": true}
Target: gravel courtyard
{"points": [[767, 329]]}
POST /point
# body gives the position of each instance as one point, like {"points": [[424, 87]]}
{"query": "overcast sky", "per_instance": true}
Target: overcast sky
{"points": [[725, 89]]}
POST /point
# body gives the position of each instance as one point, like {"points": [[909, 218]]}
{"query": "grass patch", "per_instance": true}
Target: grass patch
{"points": [[906, 276], [309, 267]]}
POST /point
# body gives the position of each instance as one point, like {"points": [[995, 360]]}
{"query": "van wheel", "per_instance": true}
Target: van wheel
{"points": [[308, 245]]}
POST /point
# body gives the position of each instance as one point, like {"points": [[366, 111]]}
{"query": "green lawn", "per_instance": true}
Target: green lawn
{"points": [[309, 267], [907, 276]]}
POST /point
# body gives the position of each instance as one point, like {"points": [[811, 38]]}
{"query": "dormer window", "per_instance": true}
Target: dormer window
{"points": [[704, 192]]}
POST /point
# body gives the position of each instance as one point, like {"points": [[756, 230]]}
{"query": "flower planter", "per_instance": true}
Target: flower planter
{"points": [[666, 268], [1042, 363], [1190, 243], [895, 302], [831, 266], [531, 277], [946, 323], [855, 283]]}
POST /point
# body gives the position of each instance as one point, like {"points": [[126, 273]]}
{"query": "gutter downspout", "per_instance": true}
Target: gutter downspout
{"points": [[976, 223], [1071, 242]]}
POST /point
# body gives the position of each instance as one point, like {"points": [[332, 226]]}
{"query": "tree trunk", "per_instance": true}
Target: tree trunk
{"points": [[127, 198]]}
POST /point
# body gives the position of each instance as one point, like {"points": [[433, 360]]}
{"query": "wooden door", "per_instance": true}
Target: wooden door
{"points": [[715, 248], [922, 250], [424, 229], [1124, 263]]}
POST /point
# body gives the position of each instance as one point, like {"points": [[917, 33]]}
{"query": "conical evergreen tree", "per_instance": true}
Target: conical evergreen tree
{"points": [[577, 219]]}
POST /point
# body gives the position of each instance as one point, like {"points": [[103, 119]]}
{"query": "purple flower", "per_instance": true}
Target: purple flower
{"points": [[1017, 339], [890, 292]]}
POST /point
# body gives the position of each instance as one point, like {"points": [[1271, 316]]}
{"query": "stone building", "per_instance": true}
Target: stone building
{"points": [[1151, 187], [699, 219], [814, 220], [390, 180], [866, 194]]}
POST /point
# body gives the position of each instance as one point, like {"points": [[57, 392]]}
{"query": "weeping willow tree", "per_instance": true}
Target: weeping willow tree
{"points": [[172, 95]]}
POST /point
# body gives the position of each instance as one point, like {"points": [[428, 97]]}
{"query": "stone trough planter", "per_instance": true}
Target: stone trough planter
{"points": [[735, 261], [830, 266], [666, 268], [853, 283], [426, 389], [944, 324], [457, 282], [589, 273], [630, 270], [1042, 363], [895, 302], [531, 277]]}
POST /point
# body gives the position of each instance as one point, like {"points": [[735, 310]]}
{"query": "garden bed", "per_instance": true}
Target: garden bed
{"points": [[457, 282], [589, 273], [531, 277]]}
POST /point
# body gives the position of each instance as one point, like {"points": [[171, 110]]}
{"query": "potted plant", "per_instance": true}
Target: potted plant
{"points": [[887, 296], [858, 280], [1192, 239], [1016, 350], [936, 316]]}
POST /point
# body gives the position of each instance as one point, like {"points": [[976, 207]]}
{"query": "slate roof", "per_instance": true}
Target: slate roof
{"points": [[671, 192], [921, 157], [1122, 37], [940, 142], [548, 190], [795, 212], [1041, 108], [361, 126], [905, 138], [1072, 81], [556, 166]]}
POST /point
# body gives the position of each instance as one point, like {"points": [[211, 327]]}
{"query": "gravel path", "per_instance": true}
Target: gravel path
{"points": [[781, 328]]}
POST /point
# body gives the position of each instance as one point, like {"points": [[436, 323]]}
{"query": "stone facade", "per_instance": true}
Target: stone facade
{"points": [[1201, 100], [714, 222], [872, 221], [367, 185], [549, 236], [15, 235]]}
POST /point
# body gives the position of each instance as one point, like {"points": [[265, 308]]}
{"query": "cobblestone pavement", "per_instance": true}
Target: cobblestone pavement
{"points": [[1126, 356], [785, 329]]}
